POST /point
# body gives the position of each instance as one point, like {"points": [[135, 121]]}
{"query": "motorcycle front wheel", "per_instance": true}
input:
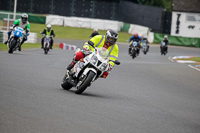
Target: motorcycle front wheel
{"points": [[163, 51], [12, 45], [85, 82], [46, 49], [65, 84], [133, 53], [145, 52], [129, 51]]}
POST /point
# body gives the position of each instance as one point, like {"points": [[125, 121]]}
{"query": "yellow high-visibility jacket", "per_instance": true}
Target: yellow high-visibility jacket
{"points": [[99, 41]]}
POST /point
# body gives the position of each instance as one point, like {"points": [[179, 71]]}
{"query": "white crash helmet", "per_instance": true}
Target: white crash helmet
{"points": [[48, 27], [24, 17], [95, 29]]}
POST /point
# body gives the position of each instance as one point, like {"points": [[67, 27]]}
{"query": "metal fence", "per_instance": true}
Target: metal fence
{"points": [[7, 20], [121, 10]]}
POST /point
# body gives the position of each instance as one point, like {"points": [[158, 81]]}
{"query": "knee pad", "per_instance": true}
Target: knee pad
{"points": [[79, 55]]}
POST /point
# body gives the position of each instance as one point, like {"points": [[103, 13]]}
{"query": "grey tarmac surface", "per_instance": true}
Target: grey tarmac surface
{"points": [[149, 94]]}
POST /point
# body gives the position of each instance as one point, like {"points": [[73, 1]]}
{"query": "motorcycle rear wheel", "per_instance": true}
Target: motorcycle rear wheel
{"points": [[85, 83]]}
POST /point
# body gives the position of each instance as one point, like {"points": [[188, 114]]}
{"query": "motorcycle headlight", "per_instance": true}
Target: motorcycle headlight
{"points": [[94, 59], [103, 66]]}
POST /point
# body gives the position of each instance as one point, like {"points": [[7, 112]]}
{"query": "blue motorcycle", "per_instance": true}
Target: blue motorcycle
{"points": [[15, 39]]}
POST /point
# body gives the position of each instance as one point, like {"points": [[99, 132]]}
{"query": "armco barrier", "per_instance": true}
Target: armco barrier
{"points": [[32, 38], [180, 41], [35, 18], [125, 27], [1, 36]]}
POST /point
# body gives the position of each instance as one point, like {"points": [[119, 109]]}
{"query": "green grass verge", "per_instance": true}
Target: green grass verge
{"points": [[65, 33], [197, 59], [73, 32], [4, 47]]}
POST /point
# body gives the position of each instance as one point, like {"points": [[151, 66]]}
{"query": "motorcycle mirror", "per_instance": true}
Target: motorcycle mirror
{"points": [[117, 62], [91, 43]]}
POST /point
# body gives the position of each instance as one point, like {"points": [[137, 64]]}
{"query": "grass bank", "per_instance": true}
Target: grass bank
{"points": [[197, 59], [73, 32], [65, 33], [4, 47]]}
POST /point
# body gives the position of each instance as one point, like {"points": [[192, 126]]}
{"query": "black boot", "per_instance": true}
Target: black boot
{"points": [[9, 33], [19, 48], [6, 42]]}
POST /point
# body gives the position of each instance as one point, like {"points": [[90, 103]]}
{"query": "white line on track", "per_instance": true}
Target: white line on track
{"points": [[170, 58], [194, 67], [31, 49]]}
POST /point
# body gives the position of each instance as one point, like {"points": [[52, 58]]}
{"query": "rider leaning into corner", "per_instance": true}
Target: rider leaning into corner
{"points": [[23, 23], [107, 41]]}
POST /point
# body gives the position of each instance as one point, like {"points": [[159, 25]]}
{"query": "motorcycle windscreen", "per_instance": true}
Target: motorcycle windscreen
{"points": [[134, 43], [144, 44], [47, 40], [103, 52], [163, 44]]}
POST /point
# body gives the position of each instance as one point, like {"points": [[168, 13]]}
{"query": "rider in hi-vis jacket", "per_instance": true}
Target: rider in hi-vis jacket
{"points": [[107, 41]]}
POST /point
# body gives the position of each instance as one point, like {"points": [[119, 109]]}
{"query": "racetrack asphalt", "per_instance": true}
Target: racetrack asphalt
{"points": [[149, 94]]}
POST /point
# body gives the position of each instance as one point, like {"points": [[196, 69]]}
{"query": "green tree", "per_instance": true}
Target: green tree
{"points": [[167, 4]]}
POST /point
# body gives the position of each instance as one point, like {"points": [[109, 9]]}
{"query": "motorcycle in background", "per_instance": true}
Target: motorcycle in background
{"points": [[144, 48], [46, 44], [133, 48], [163, 48], [87, 70], [15, 39]]}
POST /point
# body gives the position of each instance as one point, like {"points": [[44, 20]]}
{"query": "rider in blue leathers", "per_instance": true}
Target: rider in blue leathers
{"points": [[136, 38]]}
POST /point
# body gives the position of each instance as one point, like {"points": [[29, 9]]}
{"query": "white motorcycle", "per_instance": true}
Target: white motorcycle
{"points": [[144, 47], [87, 70], [46, 44]]}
